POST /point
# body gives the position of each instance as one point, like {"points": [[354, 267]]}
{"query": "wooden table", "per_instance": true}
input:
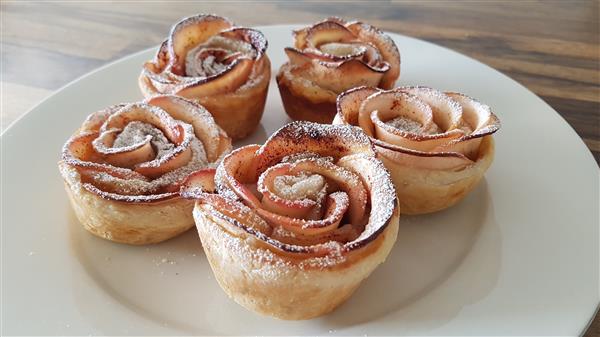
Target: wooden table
{"points": [[551, 47]]}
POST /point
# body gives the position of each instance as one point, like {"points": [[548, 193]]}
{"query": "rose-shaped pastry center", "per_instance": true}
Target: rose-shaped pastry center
{"points": [[405, 124], [299, 187], [311, 188], [137, 133], [421, 122], [206, 55], [215, 55], [306, 195], [140, 151], [337, 55]]}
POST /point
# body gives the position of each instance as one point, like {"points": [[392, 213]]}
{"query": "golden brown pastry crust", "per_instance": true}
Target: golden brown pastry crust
{"points": [[281, 287], [208, 59], [426, 191], [123, 175], [297, 267], [437, 146], [127, 222], [330, 57], [299, 108]]}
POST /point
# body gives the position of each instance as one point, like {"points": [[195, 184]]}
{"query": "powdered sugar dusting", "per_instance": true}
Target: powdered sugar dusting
{"points": [[136, 187], [405, 124], [137, 132], [421, 119], [133, 177], [302, 186], [355, 162]]}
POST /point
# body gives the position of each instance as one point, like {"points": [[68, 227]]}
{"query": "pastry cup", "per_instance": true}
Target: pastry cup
{"points": [[300, 107], [119, 186], [135, 223], [277, 284], [291, 266], [209, 60], [438, 152], [423, 191], [330, 57]]}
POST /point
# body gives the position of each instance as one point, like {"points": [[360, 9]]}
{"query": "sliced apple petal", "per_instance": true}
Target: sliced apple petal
{"points": [[346, 180], [377, 180], [197, 183], [476, 115], [348, 104], [158, 167], [327, 31], [80, 153], [271, 201], [189, 33], [424, 160], [392, 135], [300, 58], [213, 138], [236, 171], [386, 47], [391, 103], [479, 118], [229, 80], [248, 35], [447, 113], [339, 76], [336, 206], [243, 217], [306, 137], [342, 234], [146, 113], [94, 121], [128, 156]]}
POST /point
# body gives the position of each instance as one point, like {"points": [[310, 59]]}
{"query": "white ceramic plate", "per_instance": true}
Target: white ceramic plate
{"points": [[518, 256]]}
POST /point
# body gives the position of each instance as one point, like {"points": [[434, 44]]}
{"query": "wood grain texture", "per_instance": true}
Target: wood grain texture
{"points": [[551, 47]]}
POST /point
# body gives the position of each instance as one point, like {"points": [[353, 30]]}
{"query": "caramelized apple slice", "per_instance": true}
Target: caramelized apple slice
{"points": [[385, 45], [407, 139], [336, 206], [306, 137], [384, 106], [237, 170], [128, 156], [296, 206], [447, 113], [145, 113], [201, 181], [325, 31], [478, 118], [251, 36], [230, 79], [348, 104], [424, 160], [372, 172], [390, 104], [191, 32], [342, 234], [79, 152], [94, 121], [213, 138], [176, 158], [240, 215], [346, 180]]}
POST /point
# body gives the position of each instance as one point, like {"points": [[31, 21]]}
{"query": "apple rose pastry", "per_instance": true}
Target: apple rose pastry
{"points": [[223, 67], [436, 145], [296, 224], [124, 167], [330, 57]]}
